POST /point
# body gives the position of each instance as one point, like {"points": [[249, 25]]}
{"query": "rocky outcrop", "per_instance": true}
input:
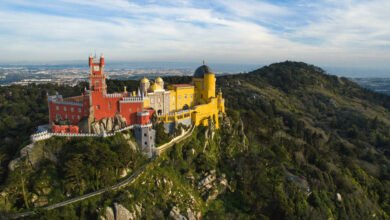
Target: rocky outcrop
{"points": [[176, 214], [121, 213], [32, 154], [107, 125], [109, 214], [210, 186]]}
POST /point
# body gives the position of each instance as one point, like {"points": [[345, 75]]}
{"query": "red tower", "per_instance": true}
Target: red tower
{"points": [[97, 78]]}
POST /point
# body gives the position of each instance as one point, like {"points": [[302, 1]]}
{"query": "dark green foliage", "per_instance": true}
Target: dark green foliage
{"points": [[22, 109], [324, 128], [161, 136], [83, 165]]}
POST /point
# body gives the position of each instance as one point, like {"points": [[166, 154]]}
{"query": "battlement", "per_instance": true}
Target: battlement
{"points": [[113, 95], [132, 99], [57, 99]]}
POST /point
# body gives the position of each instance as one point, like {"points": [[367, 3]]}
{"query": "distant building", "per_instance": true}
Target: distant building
{"points": [[96, 111]]}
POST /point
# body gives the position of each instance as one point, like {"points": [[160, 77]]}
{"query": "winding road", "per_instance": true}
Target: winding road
{"points": [[133, 177]]}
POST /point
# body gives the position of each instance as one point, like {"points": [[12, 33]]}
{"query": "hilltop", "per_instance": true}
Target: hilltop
{"points": [[296, 142]]}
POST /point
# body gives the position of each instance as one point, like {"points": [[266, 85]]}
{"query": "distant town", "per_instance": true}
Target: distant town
{"points": [[24, 75], [72, 74]]}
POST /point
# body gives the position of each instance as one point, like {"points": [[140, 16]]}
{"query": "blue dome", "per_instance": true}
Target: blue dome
{"points": [[204, 69]]}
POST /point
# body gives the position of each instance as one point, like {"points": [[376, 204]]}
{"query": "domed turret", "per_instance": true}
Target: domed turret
{"points": [[204, 69], [154, 87], [144, 80], [144, 84], [204, 82], [160, 82]]}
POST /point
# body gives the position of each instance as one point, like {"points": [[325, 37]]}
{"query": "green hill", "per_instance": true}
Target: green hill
{"points": [[296, 143]]}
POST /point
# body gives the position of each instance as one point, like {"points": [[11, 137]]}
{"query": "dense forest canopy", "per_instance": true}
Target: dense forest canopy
{"points": [[296, 143]]}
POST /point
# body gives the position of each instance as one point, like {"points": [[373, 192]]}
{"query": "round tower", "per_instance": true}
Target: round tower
{"points": [[209, 85]]}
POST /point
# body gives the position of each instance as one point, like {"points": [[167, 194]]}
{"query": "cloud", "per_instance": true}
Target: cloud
{"points": [[323, 32]]}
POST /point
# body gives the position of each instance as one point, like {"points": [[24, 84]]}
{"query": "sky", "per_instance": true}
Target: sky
{"points": [[341, 33]]}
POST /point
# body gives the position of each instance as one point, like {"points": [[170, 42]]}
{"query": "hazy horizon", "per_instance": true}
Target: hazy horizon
{"points": [[351, 72]]}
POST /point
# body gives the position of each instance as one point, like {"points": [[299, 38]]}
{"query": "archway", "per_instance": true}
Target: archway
{"points": [[186, 107]]}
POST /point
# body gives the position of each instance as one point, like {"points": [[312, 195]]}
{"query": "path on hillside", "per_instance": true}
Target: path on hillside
{"points": [[161, 149], [119, 185]]}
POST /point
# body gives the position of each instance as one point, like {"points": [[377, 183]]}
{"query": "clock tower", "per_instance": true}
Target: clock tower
{"points": [[97, 77]]}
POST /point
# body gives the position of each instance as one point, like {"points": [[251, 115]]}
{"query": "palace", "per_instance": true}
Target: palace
{"points": [[96, 111]]}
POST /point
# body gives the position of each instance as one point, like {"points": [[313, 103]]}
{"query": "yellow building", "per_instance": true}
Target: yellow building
{"points": [[196, 103]]}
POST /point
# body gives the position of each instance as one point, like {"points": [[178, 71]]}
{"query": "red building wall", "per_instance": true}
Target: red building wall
{"points": [[129, 111], [73, 113], [104, 106]]}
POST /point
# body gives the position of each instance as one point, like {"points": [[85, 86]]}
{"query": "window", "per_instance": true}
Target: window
{"points": [[72, 109], [72, 117], [130, 110], [79, 109], [64, 108], [57, 108], [146, 143], [179, 97], [144, 134], [185, 97], [98, 107], [109, 106], [66, 116], [152, 100], [159, 100], [78, 117]]}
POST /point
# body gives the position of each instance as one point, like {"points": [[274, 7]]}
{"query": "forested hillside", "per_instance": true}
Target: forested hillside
{"points": [[296, 143]]}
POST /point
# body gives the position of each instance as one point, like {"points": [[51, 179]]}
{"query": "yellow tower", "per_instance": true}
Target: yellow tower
{"points": [[204, 82], [209, 85]]}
